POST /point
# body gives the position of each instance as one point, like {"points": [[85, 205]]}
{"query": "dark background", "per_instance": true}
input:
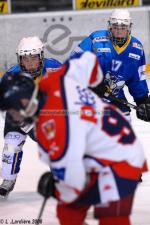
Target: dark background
{"points": [[20, 6]]}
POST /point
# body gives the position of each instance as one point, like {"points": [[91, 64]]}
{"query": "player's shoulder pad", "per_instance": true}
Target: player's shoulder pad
{"points": [[136, 43], [14, 69], [87, 65], [100, 36], [51, 63], [75, 56], [83, 55]]}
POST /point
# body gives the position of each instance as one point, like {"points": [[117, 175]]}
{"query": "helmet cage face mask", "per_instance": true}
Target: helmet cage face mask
{"points": [[31, 46], [35, 72], [118, 21]]}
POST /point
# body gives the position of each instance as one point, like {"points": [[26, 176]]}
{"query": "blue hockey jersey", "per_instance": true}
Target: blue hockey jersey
{"points": [[48, 64], [126, 64]]}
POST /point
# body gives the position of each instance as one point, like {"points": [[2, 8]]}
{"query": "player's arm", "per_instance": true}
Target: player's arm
{"points": [[50, 65], [139, 90], [86, 70], [53, 63], [64, 183], [85, 45], [11, 70]]}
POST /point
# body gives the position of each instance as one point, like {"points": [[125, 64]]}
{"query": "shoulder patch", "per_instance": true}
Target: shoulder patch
{"points": [[103, 50], [49, 128], [51, 69], [136, 45], [134, 56]]}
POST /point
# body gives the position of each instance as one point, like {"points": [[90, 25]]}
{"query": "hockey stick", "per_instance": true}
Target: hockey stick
{"points": [[109, 96], [123, 102], [41, 210]]}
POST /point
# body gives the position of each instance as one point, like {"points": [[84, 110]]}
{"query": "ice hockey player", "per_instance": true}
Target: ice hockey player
{"points": [[94, 155], [30, 55], [122, 60]]}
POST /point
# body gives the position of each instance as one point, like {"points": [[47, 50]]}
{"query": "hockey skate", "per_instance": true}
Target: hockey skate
{"points": [[6, 187]]}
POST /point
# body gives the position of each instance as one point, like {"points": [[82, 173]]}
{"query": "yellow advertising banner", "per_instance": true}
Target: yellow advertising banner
{"points": [[101, 4], [4, 7]]}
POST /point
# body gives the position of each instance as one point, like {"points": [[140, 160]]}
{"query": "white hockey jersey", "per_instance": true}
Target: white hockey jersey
{"points": [[79, 134]]}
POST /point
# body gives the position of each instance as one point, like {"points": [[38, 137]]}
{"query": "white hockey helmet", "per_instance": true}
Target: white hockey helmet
{"points": [[30, 46], [120, 17]]}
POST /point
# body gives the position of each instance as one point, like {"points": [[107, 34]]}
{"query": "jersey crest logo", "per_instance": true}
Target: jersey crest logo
{"points": [[86, 97], [49, 129], [113, 84]]}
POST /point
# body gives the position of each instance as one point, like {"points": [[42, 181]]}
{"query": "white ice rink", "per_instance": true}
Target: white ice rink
{"points": [[24, 202]]}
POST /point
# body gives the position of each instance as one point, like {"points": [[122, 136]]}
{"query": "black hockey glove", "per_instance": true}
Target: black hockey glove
{"points": [[46, 185], [143, 110], [100, 90]]}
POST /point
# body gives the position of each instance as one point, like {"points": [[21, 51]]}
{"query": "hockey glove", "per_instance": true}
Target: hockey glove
{"points": [[143, 110], [100, 89], [46, 185]]}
